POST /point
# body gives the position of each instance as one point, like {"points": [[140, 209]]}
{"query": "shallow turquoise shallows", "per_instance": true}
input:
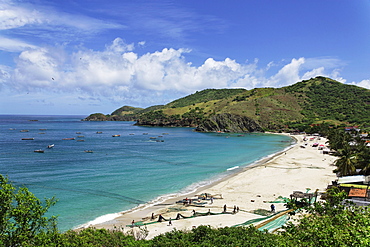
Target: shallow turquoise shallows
{"points": [[125, 165]]}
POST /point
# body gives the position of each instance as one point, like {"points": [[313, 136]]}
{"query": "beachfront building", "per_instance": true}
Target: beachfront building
{"points": [[357, 188]]}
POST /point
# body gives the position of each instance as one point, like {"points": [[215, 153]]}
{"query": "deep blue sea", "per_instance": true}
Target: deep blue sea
{"points": [[142, 165]]}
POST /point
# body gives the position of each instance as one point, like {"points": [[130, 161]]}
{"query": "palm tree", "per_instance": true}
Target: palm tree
{"points": [[338, 139], [346, 164], [364, 161]]}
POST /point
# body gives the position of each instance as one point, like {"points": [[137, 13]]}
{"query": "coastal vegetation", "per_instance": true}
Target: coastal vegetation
{"points": [[325, 223], [306, 103], [22, 220], [352, 151]]}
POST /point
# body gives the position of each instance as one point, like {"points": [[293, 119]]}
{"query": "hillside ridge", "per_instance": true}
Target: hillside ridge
{"points": [[314, 101]]}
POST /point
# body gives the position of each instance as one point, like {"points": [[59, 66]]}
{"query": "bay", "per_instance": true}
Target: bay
{"points": [[141, 165]]}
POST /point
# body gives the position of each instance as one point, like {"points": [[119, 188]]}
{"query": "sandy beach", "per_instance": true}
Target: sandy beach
{"points": [[252, 188]]}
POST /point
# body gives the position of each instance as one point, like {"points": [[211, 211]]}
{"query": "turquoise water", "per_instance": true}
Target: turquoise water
{"points": [[122, 172]]}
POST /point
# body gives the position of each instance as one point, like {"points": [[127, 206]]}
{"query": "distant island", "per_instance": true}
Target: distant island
{"points": [[311, 102]]}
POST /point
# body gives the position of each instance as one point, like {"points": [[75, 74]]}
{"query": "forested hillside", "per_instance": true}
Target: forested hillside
{"points": [[315, 101]]}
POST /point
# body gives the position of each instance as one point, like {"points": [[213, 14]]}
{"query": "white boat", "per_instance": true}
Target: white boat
{"points": [[39, 151], [51, 146]]}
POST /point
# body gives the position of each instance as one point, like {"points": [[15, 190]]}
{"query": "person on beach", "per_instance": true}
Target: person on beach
{"points": [[133, 223], [152, 216], [194, 212], [170, 222], [272, 208], [234, 211], [211, 199], [225, 208]]}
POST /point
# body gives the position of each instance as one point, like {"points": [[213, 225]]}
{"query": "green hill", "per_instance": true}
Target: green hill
{"points": [[203, 96], [126, 110], [307, 102]]}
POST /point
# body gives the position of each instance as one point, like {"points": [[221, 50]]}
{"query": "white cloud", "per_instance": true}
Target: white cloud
{"points": [[16, 14], [12, 16], [141, 43], [288, 74], [14, 45], [121, 75], [36, 68], [326, 62], [119, 46], [4, 76], [44, 22], [363, 83]]}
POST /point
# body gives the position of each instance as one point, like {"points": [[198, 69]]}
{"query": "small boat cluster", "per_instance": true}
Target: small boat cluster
{"points": [[50, 146]]}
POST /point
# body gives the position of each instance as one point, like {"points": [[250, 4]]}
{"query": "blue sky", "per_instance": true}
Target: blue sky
{"points": [[82, 57]]}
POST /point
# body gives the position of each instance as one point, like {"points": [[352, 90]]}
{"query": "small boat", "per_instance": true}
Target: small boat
{"points": [[24, 130], [28, 138], [116, 135], [145, 133], [88, 151], [68, 138], [39, 151], [42, 129], [51, 146], [99, 132], [78, 132], [80, 136]]}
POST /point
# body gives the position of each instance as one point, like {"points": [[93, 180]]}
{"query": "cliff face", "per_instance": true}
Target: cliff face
{"points": [[226, 122], [167, 123]]}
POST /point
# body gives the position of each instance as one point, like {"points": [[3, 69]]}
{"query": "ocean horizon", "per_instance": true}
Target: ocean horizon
{"points": [[98, 169]]}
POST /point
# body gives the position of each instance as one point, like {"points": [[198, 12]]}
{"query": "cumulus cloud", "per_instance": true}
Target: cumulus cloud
{"points": [[363, 83], [289, 73], [121, 75]]}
